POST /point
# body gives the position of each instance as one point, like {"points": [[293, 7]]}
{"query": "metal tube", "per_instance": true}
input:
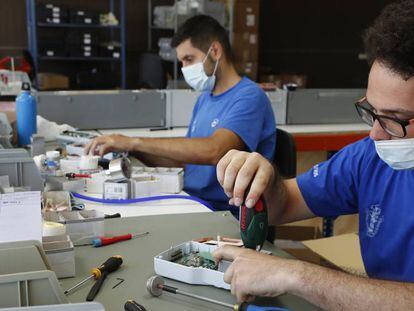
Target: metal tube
{"points": [[223, 304], [156, 286]]}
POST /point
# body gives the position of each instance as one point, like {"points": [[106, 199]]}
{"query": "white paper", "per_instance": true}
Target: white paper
{"points": [[20, 216]]}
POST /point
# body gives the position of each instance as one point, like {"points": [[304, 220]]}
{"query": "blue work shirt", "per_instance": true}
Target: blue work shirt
{"points": [[245, 110], [356, 180]]}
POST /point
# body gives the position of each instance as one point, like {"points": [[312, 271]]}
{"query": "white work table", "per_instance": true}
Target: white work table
{"points": [[300, 133], [162, 207]]}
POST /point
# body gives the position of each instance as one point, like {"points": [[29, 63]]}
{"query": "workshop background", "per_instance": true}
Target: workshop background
{"points": [[315, 43], [79, 45]]}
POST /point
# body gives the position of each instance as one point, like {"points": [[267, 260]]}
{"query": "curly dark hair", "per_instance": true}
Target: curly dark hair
{"points": [[390, 40], [202, 30]]}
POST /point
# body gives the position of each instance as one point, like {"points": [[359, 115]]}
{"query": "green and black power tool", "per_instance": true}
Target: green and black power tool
{"points": [[253, 225]]}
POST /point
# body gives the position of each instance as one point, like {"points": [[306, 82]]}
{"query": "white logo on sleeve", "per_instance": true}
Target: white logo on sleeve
{"points": [[316, 171], [215, 122], [374, 219], [193, 126]]}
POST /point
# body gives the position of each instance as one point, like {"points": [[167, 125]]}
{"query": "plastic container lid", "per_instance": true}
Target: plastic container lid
{"points": [[25, 86], [53, 154]]}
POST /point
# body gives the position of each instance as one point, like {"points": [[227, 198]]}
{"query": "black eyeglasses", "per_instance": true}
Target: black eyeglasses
{"points": [[393, 126]]}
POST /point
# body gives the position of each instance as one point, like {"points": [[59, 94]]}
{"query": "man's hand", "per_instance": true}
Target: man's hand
{"points": [[238, 169], [109, 143], [254, 274]]}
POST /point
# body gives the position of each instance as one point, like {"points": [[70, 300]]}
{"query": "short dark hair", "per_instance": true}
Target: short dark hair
{"points": [[202, 30], [390, 40]]}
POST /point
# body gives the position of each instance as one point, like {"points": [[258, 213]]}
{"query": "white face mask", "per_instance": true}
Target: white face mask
{"points": [[398, 154], [197, 78]]}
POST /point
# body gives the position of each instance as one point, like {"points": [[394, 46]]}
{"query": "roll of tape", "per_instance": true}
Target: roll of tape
{"points": [[88, 162], [51, 228]]}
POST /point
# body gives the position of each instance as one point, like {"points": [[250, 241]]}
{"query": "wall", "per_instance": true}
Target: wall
{"points": [[13, 32], [319, 38]]}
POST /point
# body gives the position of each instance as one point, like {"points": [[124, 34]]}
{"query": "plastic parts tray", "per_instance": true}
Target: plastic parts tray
{"points": [[87, 306], [30, 289], [25, 276]]}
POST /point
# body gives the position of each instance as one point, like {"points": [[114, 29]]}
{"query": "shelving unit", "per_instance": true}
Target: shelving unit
{"points": [[34, 27], [109, 59], [67, 25], [152, 28]]}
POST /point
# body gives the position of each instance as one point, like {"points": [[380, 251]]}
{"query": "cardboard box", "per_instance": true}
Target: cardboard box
{"points": [[289, 237], [297, 233], [246, 15], [301, 252], [52, 81], [342, 251], [246, 46], [247, 69]]}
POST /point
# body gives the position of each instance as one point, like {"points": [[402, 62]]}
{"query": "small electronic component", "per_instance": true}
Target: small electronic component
{"points": [[176, 255], [196, 259]]}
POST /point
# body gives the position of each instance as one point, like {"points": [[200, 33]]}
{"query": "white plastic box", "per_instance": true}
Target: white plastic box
{"points": [[117, 190], [75, 149], [82, 226], [60, 199], [61, 255], [145, 186], [191, 275], [171, 179], [96, 183]]}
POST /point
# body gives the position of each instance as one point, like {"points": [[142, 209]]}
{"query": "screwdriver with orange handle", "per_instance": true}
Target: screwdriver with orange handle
{"points": [[110, 265], [102, 241]]}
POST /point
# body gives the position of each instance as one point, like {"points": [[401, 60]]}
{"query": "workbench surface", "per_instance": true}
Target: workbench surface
{"points": [[165, 231]]}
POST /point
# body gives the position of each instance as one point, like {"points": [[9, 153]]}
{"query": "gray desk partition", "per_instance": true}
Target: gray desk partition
{"points": [[322, 106], [165, 231], [88, 110], [180, 105]]}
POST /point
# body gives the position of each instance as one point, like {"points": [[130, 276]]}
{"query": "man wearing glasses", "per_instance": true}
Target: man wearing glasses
{"points": [[373, 177]]}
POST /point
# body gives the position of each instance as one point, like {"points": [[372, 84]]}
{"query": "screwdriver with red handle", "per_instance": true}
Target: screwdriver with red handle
{"points": [[102, 241]]}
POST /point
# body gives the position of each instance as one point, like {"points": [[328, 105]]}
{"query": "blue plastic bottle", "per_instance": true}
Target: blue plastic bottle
{"points": [[26, 115]]}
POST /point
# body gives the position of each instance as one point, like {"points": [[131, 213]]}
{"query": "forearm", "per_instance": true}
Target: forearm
{"points": [[281, 199], [156, 161], [285, 201], [180, 150], [335, 290], [276, 199]]}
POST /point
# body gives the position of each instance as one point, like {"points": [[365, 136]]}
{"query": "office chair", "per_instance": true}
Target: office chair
{"points": [[285, 161], [151, 72], [285, 154]]}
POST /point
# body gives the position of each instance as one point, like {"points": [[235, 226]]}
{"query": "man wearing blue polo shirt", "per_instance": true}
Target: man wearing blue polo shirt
{"points": [[232, 113], [373, 177]]}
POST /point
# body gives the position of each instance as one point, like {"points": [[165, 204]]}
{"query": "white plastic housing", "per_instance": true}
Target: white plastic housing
{"points": [[191, 275]]}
